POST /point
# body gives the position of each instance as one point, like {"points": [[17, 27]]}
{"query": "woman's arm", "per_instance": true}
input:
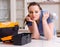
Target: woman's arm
{"points": [[34, 30], [48, 28]]}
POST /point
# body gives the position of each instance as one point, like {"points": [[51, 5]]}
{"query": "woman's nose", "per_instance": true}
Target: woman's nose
{"points": [[33, 14]]}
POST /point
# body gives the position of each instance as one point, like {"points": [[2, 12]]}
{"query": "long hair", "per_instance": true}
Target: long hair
{"points": [[33, 4]]}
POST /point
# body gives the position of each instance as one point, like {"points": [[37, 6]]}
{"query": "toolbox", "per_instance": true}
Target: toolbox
{"points": [[9, 33], [8, 28], [21, 39]]}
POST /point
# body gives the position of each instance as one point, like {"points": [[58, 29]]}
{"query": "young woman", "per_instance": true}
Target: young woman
{"points": [[39, 22]]}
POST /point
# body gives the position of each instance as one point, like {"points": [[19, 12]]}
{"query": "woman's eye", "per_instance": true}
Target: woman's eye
{"points": [[33, 12], [30, 12], [36, 11]]}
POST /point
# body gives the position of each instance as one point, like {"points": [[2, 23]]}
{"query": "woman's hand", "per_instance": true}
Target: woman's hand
{"points": [[29, 19], [45, 16]]}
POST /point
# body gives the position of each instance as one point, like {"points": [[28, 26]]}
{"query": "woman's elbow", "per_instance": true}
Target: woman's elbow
{"points": [[50, 38]]}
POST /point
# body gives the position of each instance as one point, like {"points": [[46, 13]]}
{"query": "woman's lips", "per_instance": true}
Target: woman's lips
{"points": [[33, 18]]}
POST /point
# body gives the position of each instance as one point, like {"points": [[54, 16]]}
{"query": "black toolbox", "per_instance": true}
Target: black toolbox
{"points": [[9, 33], [21, 39]]}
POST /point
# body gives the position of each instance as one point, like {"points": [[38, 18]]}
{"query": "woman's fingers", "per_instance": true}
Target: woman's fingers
{"points": [[29, 19], [45, 15]]}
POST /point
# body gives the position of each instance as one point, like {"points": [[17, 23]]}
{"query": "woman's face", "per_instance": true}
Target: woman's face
{"points": [[34, 12]]}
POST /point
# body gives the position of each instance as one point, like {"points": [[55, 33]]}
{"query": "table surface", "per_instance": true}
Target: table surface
{"points": [[36, 43]]}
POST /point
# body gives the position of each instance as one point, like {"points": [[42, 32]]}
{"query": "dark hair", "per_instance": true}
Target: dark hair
{"points": [[34, 3]]}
